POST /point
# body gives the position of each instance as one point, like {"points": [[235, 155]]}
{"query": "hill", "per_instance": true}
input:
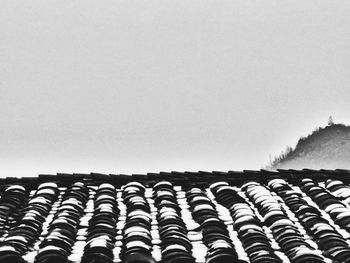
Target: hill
{"points": [[327, 147]]}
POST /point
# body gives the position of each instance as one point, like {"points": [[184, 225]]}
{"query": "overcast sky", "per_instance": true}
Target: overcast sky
{"points": [[137, 86]]}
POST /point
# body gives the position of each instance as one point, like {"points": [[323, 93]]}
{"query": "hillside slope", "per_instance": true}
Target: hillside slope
{"points": [[327, 147]]}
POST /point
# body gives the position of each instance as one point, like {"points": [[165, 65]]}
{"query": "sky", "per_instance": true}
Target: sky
{"points": [[125, 86]]}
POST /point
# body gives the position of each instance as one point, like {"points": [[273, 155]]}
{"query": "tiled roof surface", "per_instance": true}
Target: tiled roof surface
{"points": [[215, 217]]}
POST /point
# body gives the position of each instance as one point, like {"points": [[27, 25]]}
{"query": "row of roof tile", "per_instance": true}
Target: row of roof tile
{"points": [[181, 178]]}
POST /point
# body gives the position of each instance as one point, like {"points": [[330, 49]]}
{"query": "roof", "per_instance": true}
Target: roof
{"points": [[169, 217]]}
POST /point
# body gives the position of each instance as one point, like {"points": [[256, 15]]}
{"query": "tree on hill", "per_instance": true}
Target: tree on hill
{"points": [[330, 121]]}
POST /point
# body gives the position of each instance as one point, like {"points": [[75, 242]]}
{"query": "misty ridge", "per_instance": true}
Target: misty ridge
{"points": [[326, 147]]}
